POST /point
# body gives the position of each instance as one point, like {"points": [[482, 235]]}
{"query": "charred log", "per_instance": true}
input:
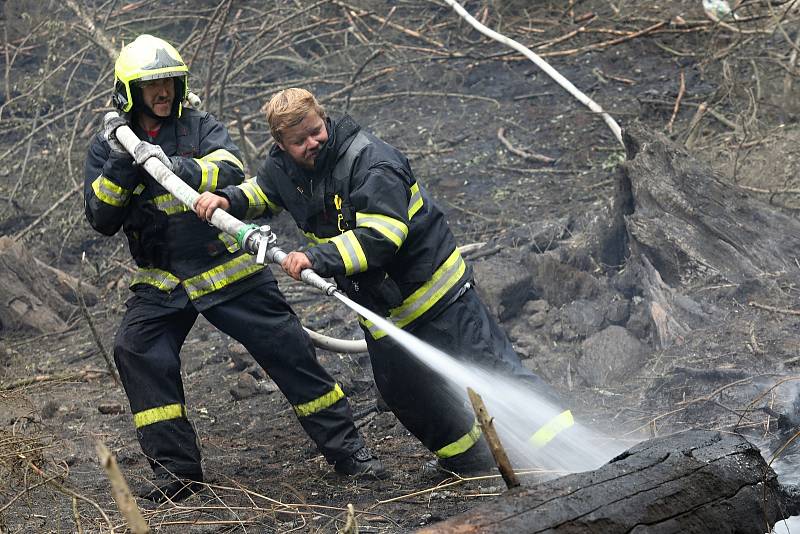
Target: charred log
{"points": [[698, 481]]}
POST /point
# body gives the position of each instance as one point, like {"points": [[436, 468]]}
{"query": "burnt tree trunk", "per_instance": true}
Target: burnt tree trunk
{"points": [[34, 296], [686, 221], [698, 481]]}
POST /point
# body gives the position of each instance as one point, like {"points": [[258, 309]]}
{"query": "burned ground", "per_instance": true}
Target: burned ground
{"points": [[416, 75]]}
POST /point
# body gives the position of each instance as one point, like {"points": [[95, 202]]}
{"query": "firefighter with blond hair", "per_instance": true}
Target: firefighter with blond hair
{"points": [[377, 232]]}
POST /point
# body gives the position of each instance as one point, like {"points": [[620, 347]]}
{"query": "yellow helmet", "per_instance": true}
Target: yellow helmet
{"points": [[148, 58]]}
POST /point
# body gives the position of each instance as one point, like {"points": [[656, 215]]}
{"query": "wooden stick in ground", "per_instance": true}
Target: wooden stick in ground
{"points": [[493, 440], [675, 109], [82, 304], [121, 492]]}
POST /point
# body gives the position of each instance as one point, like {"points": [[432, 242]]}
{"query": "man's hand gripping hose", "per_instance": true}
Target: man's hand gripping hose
{"points": [[254, 239], [260, 238]]}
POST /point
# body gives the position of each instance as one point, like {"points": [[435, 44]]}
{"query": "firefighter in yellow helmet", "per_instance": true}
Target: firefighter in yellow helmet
{"points": [[186, 268]]}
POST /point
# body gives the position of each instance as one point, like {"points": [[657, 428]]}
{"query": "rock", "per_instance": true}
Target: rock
{"points": [[580, 319], [537, 320], [639, 322], [246, 386], [533, 307], [559, 283], [110, 408], [503, 283], [240, 358], [610, 356], [617, 310]]}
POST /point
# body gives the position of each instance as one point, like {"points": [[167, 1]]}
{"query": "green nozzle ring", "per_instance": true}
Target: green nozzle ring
{"points": [[243, 231]]}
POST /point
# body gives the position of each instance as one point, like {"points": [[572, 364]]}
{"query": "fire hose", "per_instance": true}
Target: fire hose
{"points": [[253, 239]]}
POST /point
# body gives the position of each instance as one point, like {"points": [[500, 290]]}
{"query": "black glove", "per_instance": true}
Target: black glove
{"points": [[145, 151]]}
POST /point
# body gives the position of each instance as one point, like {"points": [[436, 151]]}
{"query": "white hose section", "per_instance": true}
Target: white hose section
{"points": [[346, 346], [542, 64]]}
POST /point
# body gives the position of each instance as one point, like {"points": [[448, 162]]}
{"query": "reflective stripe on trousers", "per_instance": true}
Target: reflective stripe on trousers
{"points": [[462, 444]]}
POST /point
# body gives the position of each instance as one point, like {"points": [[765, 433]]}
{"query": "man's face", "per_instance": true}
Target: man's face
{"points": [[158, 95], [303, 141]]}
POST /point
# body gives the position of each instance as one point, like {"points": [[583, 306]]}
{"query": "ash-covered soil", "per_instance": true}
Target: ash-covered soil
{"points": [[416, 75]]}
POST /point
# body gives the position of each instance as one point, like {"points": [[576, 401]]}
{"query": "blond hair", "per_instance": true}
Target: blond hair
{"points": [[288, 108]]}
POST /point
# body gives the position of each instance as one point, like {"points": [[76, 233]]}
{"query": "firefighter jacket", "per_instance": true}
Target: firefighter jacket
{"points": [[178, 255], [373, 227]]}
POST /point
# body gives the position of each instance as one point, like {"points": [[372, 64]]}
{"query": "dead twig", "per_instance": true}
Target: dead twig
{"points": [[214, 44], [97, 35], [694, 126], [786, 311], [522, 153], [355, 76], [82, 304], [681, 91], [19, 235], [389, 96]]}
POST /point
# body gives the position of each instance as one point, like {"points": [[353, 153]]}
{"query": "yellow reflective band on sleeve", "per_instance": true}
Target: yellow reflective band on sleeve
{"points": [[160, 279], [110, 193], [170, 204], [462, 444], [320, 403], [158, 414], [209, 173], [223, 155], [394, 230], [355, 261], [220, 276], [415, 202], [550, 429], [443, 280], [257, 201]]}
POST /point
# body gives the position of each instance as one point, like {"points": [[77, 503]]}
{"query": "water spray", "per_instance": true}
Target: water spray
{"points": [[531, 428]]}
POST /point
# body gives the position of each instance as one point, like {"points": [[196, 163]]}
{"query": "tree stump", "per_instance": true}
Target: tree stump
{"points": [[34, 296], [685, 220], [697, 481]]}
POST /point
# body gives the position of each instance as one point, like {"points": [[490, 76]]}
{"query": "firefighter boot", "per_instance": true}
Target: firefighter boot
{"points": [[168, 487], [361, 464], [477, 460]]}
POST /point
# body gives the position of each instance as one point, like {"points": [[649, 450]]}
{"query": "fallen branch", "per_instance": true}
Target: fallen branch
{"points": [[542, 64], [787, 311], [111, 370], [522, 153]]}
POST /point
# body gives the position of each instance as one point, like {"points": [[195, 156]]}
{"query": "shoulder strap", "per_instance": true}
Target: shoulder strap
{"points": [[341, 172], [341, 177]]}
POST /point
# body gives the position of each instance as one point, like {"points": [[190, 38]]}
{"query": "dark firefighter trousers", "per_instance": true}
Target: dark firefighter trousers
{"points": [[419, 397], [146, 353]]}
